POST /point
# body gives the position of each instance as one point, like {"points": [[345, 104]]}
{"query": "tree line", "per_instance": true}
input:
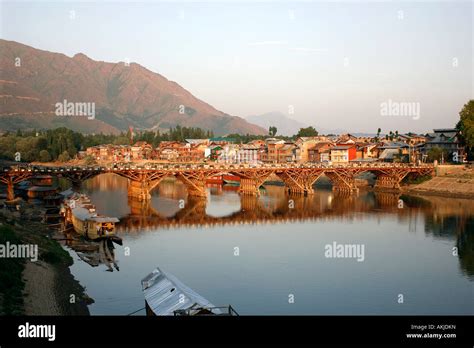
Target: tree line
{"points": [[62, 144]]}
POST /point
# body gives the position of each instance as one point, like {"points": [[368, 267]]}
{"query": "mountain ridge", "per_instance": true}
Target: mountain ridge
{"points": [[124, 95]]}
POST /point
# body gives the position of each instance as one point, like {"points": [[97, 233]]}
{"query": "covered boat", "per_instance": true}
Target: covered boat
{"points": [[166, 295], [82, 214]]}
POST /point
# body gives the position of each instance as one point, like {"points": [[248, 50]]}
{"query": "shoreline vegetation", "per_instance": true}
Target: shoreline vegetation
{"points": [[43, 287]]}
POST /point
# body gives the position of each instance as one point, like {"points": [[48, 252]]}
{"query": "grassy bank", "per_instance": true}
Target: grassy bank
{"points": [[11, 282], [24, 227]]}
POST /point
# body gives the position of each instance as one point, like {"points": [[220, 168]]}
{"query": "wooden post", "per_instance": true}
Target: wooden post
{"points": [[10, 189]]}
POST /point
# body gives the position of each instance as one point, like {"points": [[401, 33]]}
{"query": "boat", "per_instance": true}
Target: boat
{"points": [[231, 179], [81, 213], [227, 179], [216, 179], [165, 295]]}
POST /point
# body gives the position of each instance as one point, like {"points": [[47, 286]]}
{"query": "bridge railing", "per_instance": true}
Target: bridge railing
{"points": [[211, 166]]}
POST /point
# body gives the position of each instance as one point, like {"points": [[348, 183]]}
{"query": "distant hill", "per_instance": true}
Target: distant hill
{"points": [[123, 95]]}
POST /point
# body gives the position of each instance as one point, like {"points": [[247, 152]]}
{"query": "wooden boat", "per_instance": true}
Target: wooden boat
{"points": [[231, 179], [217, 179], [166, 295], [228, 179], [79, 211]]}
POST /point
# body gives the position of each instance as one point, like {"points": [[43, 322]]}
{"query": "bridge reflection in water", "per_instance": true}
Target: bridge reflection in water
{"points": [[170, 207], [274, 206]]}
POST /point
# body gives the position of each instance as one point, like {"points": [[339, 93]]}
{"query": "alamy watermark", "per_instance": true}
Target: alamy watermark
{"points": [[37, 331], [66, 108], [404, 109], [345, 251], [22, 251]]}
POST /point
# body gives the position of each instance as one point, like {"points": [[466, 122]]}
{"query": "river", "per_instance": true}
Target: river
{"points": [[268, 255]]}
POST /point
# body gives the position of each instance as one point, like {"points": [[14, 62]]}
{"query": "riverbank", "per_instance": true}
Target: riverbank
{"points": [[42, 287], [451, 181], [445, 187]]}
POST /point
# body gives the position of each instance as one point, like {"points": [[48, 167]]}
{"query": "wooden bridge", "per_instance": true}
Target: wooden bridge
{"points": [[298, 178]]}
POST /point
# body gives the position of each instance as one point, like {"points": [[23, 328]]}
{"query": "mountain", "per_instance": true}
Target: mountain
{"points": [[32, 81], [284, 124]]}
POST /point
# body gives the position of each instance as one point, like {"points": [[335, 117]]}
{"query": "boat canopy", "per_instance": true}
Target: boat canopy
{"points": [[85, 214], [165, 295]]}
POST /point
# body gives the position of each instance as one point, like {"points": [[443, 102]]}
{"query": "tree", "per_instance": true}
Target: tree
{"points": [[64, 157], [272, 131], [44, 156], [307, 132], [88, 160], [378, 134], [437, 153], [466, 127]]}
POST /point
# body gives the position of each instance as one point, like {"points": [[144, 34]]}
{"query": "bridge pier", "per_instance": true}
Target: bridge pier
{"points": [[195, 182], [139, 190], [342, 181], [10, 180], [10, 190], [251, 181], [390, 179], [140, 184], [300, 181], [388, 182]]}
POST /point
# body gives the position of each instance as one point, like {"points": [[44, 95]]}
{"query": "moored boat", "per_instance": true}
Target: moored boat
{"points": [[79, 211], [216, 179], [231, 179], [166, 295]]}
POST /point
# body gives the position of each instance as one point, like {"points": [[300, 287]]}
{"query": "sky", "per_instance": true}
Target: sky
{"points": [[333, 65]]}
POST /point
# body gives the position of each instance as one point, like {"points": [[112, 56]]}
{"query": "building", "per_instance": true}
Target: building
{"points": [[248, 154], [448, 140], [364, 151], [174, 151], [343, 153], [228, 154], [320, 152], [273, 146], [412, 139], [304, 144], [286, 153], [394, 151]]}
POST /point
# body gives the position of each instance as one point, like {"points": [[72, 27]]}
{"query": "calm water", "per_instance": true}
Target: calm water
{"points": [[281, 245]]}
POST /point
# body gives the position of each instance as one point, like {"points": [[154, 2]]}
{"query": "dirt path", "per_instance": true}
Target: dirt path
{"points": [[40, 298]]}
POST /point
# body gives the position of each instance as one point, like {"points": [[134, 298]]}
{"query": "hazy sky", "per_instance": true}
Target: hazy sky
{"points": [[332, 63]]}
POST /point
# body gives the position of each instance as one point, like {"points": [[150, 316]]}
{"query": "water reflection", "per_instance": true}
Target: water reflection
{"points": [[94, 253], [422, 247], [446, 219]]}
